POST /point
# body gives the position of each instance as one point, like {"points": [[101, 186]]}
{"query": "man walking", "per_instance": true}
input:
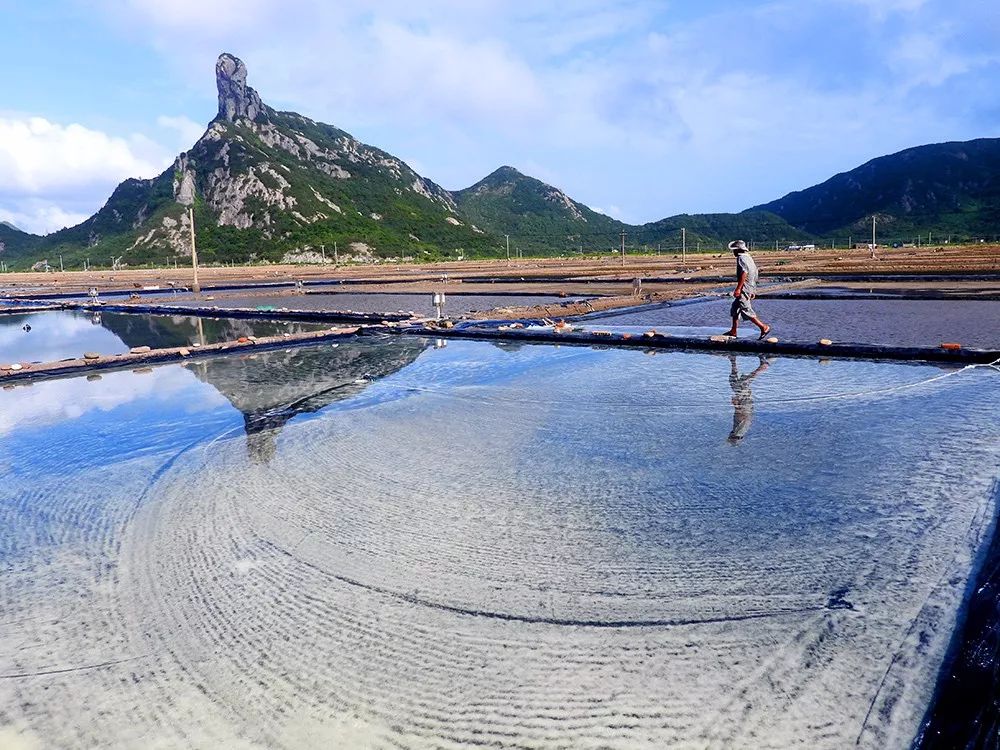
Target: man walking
{"points": [[745, 291]]}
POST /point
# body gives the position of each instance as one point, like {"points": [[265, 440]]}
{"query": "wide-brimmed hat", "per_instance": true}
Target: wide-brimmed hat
{"points": [[738, 246]]}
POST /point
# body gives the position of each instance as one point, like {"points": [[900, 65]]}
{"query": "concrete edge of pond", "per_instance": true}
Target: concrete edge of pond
{"points": [[141, 357], [27, 309], [653, 340]]}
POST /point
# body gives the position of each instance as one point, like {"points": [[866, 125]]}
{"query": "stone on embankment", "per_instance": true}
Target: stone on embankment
{"points": [[139, 350]]}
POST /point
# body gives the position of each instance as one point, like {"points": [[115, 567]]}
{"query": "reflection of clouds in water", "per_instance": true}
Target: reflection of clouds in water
{"points": [[54, 336], [53, 401]]}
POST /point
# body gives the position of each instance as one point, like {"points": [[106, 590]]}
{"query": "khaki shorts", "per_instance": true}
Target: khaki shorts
{"points": [[742, 308]]}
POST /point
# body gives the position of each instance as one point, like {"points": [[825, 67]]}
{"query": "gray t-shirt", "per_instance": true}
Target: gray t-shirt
{"points": [[746, 264]]}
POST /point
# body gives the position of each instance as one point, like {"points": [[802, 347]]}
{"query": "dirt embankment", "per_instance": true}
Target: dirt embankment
{"points": [[666, 277]]}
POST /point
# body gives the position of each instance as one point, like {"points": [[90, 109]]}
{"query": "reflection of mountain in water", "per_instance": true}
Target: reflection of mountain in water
{"points": [[164, 331], [271, 387]]}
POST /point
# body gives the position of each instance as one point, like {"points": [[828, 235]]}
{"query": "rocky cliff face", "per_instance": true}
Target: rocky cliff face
{"points": [[236, 99], [276, 185]]}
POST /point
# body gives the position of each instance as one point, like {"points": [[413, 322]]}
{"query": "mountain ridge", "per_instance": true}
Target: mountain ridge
{"points": [[951, 186], [270, 185]]}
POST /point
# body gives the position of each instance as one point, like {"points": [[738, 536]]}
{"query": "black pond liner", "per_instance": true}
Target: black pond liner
{"points": [[965, 711]]}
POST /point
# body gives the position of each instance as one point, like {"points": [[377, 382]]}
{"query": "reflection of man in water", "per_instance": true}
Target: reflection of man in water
{"points": [[742, 397]]}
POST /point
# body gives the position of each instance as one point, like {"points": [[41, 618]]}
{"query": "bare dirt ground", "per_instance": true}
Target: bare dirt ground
{"points": [[605, 278]]}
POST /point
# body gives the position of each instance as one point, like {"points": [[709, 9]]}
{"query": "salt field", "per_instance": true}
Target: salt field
{"points": [[55, 335], [328, 298], [455, 304], [391, 542], [898, 322]]}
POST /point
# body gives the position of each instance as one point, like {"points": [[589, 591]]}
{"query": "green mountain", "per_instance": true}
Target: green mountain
{"points": [[537, 216], [951, 188], [15, 244], [761, 227], [277, 186]]}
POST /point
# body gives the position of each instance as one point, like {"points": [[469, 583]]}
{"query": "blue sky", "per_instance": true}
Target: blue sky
{"points": [[641, 109]]}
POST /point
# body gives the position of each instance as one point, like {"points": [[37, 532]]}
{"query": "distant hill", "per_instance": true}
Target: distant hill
{"points": [[537, 216], [761, 227], [951, 188], [15, 244]]}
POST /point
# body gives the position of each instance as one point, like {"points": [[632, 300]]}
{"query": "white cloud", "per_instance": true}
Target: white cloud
{"points": [[54, 175], [38, 157], [183, 15], [615, 212], [56, 401], [40, 217], [187, 131], [463, 76]]}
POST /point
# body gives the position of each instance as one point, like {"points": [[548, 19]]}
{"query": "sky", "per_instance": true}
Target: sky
{"points": [[641, 109]]}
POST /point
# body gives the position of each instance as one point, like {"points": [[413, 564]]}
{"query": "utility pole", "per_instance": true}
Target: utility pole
{"points": [[623, 248], [195, 286], [322, 249], [873, 236], [336, 255], [684, 245], [507, 237]]}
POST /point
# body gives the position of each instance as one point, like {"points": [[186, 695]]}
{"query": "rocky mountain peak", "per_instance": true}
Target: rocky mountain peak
{"points": [[236, 99]]}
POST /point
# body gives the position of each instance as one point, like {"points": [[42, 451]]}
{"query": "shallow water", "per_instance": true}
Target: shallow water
{"points": [[57, 335], [384, 543], [455, 304], [887, 322]]}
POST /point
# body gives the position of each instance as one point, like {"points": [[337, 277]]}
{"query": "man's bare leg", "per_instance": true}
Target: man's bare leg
{"points": [[732, 331], [764, 327]]}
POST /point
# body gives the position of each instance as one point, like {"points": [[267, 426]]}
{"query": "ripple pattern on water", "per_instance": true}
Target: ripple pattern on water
{"points": [[537, 547]]}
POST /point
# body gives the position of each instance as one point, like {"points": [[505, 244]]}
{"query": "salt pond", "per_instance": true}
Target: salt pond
{"points": [[455, 304], [55, 335], [388, 544], [889, 322]]}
